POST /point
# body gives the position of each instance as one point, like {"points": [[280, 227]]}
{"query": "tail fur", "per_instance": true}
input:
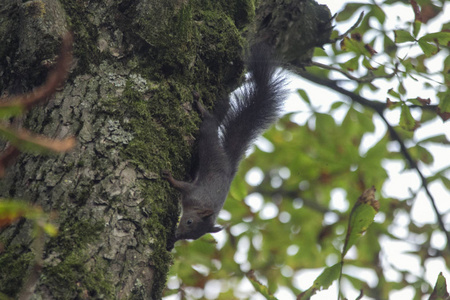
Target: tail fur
{"points": [[254, 107]]}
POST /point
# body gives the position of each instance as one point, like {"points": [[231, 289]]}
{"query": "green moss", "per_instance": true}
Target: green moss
{"points": [[70, 265], [9, 40], [201, 52], [14, 262], [74, 235], [241, 12], [85, 35], [89, 284]]}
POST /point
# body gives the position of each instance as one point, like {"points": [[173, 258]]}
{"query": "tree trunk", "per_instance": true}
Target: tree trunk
{"points": [[128, 100]]}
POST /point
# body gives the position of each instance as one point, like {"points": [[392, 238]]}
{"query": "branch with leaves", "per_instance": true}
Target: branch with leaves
{"points": [[23, 140], [379, 108]]}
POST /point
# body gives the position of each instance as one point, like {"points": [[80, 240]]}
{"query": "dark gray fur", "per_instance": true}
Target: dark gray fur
{"points": [[240, 120]]}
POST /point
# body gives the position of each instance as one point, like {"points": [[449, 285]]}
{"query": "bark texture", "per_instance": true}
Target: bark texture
{"points": [[128, 101]]}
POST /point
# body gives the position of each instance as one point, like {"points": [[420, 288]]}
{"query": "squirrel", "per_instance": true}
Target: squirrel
{"points": [[225, 136]]}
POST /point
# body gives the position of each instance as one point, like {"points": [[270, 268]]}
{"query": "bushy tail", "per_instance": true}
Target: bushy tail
{"points": [[254, 107]]}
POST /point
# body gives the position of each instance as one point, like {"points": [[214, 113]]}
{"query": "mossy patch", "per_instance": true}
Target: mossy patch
{"points": [[85, 36], [201, 53], [149, 121], [13, 264], [92, 284]]}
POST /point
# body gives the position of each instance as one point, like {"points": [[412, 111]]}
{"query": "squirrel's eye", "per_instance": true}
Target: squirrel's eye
{"points": [[189, 222]]}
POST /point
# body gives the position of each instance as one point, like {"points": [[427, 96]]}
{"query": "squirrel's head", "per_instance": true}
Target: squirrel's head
{"points": [[196, 222]]}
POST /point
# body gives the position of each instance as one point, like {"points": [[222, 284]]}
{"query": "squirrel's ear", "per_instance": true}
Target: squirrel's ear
{"points": [[216, 229], [205, 213]]}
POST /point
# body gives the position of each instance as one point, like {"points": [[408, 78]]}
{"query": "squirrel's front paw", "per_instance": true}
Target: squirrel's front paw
{"points": [[201, 108], [166, 174]]}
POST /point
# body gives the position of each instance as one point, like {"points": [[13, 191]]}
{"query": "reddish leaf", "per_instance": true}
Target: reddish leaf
{"points": [[24, 140]]}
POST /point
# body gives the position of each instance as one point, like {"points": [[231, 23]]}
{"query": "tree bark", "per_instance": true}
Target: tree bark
{"points": [[128, 100]]}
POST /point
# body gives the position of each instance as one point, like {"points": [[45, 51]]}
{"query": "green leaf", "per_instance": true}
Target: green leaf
{"points": [[361, 217], [348, 11], [407, 121], [401, 88], [444, 103], [446, 182], [238, 189], [353, 46], [439, 139], [351, 64], [402, 36], [416, 27], [336, 105], [328, 276], [440, 289], [367, 64], [324, 281], [260, 287], [378, 13], [427, 48], [302, 93], [443, 38], [394, 93], [422, 154], [390, 47], [8, 110]]}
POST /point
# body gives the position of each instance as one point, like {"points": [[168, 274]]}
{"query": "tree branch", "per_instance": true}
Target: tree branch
{"points": [[367, 78], [379, 107], [340, 37]]}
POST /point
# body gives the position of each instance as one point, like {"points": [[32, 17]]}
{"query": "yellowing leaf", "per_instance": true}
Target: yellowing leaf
{"points": [[8, 110], [24, 140], [12, 210], [50, 229]]}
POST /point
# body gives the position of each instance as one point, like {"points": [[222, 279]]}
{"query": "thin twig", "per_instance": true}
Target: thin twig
{"points": [[367, 78], [340, 37], [379, 108]]}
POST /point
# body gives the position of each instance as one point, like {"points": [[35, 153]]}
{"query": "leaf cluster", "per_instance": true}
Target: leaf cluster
{"points": [[303, 213]]}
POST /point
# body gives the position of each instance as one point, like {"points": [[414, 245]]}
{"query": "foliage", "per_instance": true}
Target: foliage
{"points": [[299, 216]]}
